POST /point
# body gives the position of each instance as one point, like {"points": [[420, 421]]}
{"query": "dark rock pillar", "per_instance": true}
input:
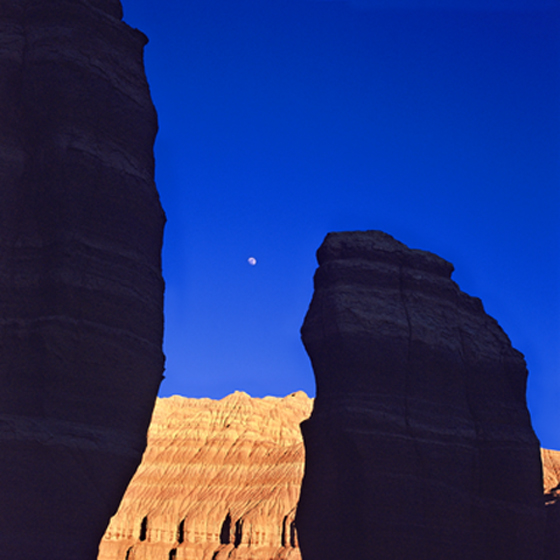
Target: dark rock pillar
{"points": [[80, 272], [420, 445]]}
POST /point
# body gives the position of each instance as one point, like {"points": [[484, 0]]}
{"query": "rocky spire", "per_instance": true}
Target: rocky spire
{"points": [[420, 411], [80, 272]]}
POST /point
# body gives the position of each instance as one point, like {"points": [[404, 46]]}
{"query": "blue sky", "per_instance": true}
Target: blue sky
{"points": [[282, 120]]}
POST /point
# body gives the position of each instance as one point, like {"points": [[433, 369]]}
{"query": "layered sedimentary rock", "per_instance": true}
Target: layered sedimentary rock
{"points": [[80, 276], [177, 504], [551, 474], [551, 479], [219, 479], [420, 412]]}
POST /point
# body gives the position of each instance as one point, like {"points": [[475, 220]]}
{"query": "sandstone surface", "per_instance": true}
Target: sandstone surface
{"points": [[551, 480], [219, 479], [183, 474], [420, 410], [551, 474], [80, 272]]}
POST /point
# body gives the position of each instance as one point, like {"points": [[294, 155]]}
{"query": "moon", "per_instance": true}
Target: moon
{"points": [[252, 261]]}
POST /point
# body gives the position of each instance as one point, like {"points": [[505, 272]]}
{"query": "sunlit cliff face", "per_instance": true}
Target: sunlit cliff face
{"points": [[218, 477]]}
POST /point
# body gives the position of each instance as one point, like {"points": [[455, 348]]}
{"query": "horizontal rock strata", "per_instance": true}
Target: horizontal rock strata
{"points": [[81, 317], [180, 477], [219, 479], [551, 474], [420, 413], [551, 478]]}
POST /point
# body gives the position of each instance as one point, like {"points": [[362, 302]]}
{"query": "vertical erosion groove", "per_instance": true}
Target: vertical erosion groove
{"points": [[293, 538], [238, 533], [225, 531], [283, 535], [143, 529], [181, 531]]}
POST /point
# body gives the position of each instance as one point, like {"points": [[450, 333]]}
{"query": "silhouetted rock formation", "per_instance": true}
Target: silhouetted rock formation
{"points": [[219, 479], [551, 479], [80, 276], [420, 412]]}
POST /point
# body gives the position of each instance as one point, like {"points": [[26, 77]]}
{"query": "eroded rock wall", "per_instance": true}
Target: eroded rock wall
{"points": [[219, 479], [420, 412], [197, 470], [80, 272], [551, 479]]}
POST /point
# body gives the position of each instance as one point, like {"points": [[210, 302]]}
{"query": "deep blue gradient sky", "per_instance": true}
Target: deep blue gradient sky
{"points": [[282, 120]]}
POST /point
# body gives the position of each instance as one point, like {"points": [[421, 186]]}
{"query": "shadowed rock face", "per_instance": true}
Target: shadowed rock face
{"points": [[80, 273], [420, 411]]}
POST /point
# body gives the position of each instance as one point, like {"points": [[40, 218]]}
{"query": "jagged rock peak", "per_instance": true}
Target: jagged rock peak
{"points": [[420, 409], [379, 246]]}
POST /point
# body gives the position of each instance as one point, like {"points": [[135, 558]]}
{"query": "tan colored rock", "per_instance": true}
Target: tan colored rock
{"points": [[551, 473], [551, 480], [241, 456], [219, 479]]}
